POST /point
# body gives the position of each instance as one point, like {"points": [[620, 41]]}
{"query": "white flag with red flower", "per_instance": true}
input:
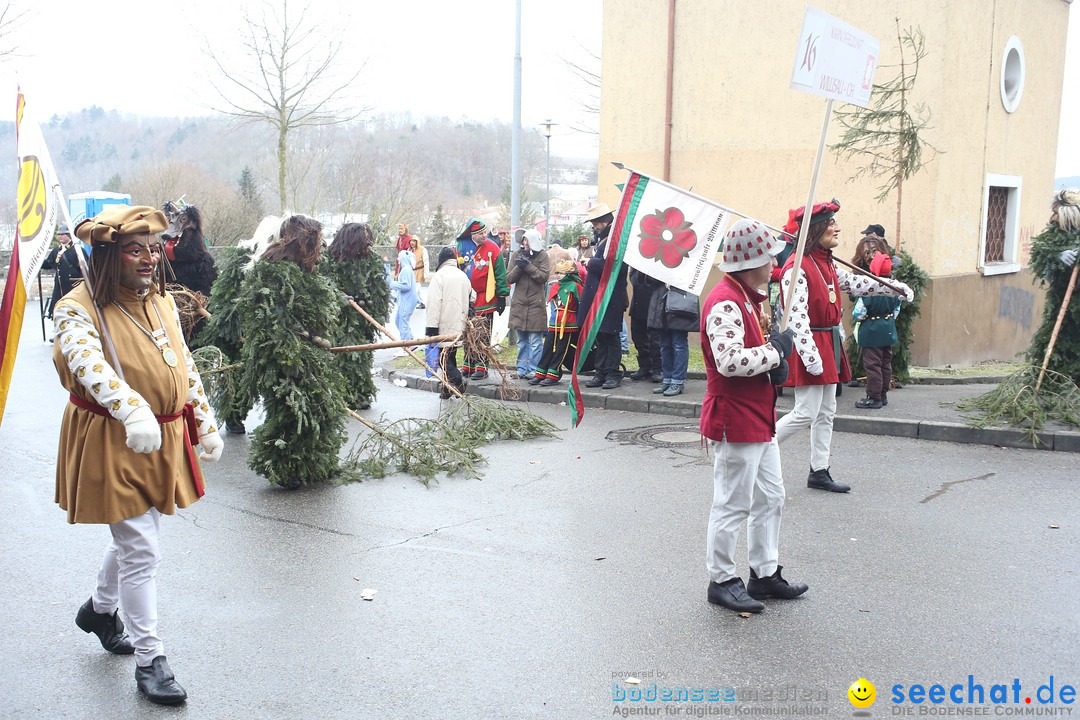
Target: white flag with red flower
{"points": [[670, 233]]}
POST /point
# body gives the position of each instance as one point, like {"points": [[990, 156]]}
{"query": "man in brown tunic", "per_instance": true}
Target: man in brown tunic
{"points": [[136, 411]]}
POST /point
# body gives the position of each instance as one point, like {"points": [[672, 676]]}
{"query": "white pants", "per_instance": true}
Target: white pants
{"points": [[746, 483], [815, 408], [129, 573]]}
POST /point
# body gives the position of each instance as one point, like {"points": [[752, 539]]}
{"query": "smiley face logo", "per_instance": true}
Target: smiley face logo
{"points": [[862, 693]]}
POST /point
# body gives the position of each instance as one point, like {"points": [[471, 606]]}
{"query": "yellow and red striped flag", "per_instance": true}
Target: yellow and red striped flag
{"points": [[36, 200]]}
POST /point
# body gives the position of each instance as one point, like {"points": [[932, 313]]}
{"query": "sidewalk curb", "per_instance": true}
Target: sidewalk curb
{"points": [[1061, 441]]}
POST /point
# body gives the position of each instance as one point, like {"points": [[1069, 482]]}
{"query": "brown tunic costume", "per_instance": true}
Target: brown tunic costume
{"points": [[98, 478]]}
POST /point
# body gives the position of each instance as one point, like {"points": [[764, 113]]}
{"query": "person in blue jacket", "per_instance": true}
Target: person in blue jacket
{"points": [[405, 284]]}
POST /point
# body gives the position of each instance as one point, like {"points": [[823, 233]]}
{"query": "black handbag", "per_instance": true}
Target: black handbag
{"points": [[681, 303]]}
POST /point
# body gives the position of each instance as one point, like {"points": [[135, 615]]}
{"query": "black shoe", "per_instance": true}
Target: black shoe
{"points": [[595, 381], [294, 483], [774, 586], [656, 378], [157, 682], [732, 595], [610, 384], [854, 383], [108, 628], [640, 374], [235, 428], [548, 382], [884, 399], [536, 379], [479, 375], [868, 403], [822, 480]]}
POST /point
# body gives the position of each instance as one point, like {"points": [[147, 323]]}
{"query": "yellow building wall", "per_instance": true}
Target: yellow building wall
{"points": [[743, 137]]}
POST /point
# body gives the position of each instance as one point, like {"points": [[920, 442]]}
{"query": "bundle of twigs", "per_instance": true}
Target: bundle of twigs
{"points": [[1025, 403], [477, 339], [219, 375], [191, 305]]}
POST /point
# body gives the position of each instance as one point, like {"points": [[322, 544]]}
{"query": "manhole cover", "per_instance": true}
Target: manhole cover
{"points": [[679, 435]]}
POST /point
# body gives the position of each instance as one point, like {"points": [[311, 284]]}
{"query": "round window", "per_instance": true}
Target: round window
{"points": [[1012, 74]]}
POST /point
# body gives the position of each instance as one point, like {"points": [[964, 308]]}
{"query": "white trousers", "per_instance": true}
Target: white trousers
{"points": [[128, 577], [815, 408], [746, 483]]}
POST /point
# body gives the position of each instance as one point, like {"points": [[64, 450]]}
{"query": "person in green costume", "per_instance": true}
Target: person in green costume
{"points": [[286, 310], [359, 273], [1053, 257]]}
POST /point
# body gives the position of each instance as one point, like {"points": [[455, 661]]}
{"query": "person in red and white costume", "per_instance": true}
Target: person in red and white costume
{"points": [[819, 360], [738, 416]]}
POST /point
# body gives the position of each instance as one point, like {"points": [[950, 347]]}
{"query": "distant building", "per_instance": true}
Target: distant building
{"points": [[739, 134]]}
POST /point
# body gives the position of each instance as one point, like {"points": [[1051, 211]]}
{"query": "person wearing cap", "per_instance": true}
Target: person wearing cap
{"points": [[64, 260], [607, 374], [481, 260], [136, 410], [875, 332], [738, 416], [528, 274], [819, 360], [562, 331], [450, 295]]}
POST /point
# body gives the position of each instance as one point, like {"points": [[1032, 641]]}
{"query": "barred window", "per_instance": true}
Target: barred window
{"points": [[997, 213], [999, 246]]}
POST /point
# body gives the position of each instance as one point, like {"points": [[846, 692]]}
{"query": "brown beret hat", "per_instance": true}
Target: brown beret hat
{"points": [[117, 220]]}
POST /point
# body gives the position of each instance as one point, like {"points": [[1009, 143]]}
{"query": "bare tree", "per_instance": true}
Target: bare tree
{"points": [[291, 84], [588, 74], [9, 19]]}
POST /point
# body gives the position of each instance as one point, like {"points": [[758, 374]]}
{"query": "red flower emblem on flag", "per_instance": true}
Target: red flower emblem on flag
{"points": [[666, 236]]}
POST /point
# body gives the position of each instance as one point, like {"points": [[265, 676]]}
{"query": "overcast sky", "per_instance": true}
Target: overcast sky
{"points": [[427, 57]]}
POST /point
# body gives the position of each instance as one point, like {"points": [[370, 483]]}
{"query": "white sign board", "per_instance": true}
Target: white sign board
{"points": [[834, 59]]}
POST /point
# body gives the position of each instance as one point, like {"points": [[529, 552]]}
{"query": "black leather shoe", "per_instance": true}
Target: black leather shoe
{"points": [[610, 384], [640, 374], [235, 428], [868, 403], [822, 480], [108, 628], [548, 382], [732, 595], [774, 586], [884, 399], [595, 381], [157, 682], [479, 375]]}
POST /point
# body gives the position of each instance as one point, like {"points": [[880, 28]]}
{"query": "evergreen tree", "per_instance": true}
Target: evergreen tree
{"points": [[440, 230]]}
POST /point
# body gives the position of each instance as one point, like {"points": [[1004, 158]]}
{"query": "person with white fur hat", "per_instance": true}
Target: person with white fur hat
{"points": [[743, 363], [528, 273]]}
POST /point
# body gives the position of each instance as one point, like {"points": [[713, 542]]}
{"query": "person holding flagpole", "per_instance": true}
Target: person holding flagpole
{"points": [[816, 312], [607, 373], [136, 410]]}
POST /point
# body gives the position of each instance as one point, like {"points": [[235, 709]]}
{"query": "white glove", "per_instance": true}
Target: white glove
{"points": [[815, 368], [212, 446], [143, 430], [1068, 257]]}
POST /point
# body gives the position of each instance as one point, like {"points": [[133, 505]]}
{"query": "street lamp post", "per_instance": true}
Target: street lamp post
{"points": [[547, 125]]}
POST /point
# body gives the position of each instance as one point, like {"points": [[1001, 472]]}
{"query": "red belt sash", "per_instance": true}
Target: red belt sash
{"points": [[191, 431]]}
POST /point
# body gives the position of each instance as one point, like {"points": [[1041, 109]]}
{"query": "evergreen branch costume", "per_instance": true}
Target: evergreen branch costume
{"points": [[365, 280], [222, 330], [1053, 274], [300, 383]]}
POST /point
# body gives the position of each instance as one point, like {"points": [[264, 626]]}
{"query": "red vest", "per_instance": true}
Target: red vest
{"points": [[820, 273], [738, 409]]}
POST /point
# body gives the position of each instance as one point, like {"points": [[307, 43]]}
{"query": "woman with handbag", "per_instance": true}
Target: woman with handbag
{"points": [[673, 314]]}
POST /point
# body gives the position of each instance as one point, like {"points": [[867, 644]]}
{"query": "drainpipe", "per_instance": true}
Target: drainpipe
{"points": [[668, 89]]}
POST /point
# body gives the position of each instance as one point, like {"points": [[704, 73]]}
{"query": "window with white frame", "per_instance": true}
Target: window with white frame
{"points": [[999, 247]]}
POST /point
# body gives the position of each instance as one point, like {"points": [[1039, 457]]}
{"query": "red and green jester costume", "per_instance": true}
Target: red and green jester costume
{"points": [[482, 262], [563, 327]]}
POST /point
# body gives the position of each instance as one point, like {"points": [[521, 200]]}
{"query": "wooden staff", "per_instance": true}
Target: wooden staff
{"points": [[869, 274], [437, 372], [396, 343], [1057, 324]]}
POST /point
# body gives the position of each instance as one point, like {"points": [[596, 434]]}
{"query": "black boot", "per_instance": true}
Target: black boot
{"points": [[108, 628], [822, 480], [774, 586], [157, 682], [732, 595]]}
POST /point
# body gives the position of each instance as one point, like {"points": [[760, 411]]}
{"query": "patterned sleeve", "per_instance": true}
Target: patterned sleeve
{"points": [[724, 327], [863, 286], [799, 322], [79, 341], [204, 416]]}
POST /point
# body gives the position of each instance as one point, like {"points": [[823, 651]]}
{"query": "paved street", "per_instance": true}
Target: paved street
{"points": [[574, 563]]}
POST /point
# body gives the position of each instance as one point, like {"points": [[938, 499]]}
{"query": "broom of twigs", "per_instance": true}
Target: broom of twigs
{"points": [[448, 444], [1030, 397], [190, 305]]}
